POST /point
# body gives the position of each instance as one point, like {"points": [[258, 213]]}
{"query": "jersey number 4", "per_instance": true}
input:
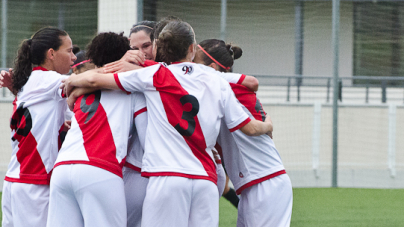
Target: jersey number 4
{"points": [[188, 115]]}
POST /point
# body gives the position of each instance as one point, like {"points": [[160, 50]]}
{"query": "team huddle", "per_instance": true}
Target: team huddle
{"points": [[149, 121]]}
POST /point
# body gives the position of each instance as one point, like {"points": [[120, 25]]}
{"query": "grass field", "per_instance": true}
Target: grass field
{"points": [[345, 207]]}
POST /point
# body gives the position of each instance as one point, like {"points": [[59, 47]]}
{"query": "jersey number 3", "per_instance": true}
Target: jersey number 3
{"points": [[188, 115]]}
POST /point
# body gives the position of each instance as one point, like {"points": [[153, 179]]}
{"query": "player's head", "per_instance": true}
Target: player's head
{"points": [[176, 42], [157, 30], [49, 47], [141, 38], [107, 47], [82, 64], [217, 54]]}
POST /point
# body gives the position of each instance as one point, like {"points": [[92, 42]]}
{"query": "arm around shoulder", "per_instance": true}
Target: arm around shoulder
{"points": [[251, 82], [257, 128]]}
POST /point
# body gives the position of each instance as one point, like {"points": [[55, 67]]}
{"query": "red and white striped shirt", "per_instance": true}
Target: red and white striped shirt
{"points": [[100, 130], [249, 160], [185, 107], [37, 118]]}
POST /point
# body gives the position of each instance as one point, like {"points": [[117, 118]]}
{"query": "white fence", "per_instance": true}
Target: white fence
{"points": [[370, 152]]}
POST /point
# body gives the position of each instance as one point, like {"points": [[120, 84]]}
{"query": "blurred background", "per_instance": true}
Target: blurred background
{"points": [[288, 46]]}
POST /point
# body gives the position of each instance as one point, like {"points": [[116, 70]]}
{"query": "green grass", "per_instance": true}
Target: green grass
{"points": [[347, 207], [344, 207]]}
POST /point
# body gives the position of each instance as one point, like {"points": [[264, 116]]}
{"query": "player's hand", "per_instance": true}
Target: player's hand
{"points": [[71, 100], [134, 56], [67, 125], [66, 84], [5, 78], [269, 120], [120, 66]]}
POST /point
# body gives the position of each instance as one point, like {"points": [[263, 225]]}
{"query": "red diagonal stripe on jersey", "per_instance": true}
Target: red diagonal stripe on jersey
{"points": [[170, 92], [97, 136], [28, 156], [248, 99]]}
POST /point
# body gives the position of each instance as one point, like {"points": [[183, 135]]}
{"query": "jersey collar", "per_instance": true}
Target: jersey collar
{"points": [[39, 68]]}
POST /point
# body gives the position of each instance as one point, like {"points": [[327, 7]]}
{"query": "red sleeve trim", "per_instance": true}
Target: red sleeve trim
{"points": [[257, 181], [135, 168], [119, 83], [175, 174], [240, 125], [241, 79], [139, 112]]}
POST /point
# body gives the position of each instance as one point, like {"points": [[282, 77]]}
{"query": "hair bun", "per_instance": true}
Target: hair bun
{"points": [[237, 52]]}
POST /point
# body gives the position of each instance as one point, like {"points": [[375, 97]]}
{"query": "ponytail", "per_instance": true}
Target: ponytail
{"points": [[22, 66]]}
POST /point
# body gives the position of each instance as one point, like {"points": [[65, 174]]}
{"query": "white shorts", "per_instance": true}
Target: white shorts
{"points": [[24, 204], [221, 178], [268, 203], [86, 194], [135, 192], [180, 202]]}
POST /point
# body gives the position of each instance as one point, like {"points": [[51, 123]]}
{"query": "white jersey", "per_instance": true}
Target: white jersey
{"points": [[249, 160], [37, 118], [137, 136], [185, 106], [100, 130]]}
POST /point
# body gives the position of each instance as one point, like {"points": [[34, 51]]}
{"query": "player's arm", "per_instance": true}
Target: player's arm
{"points": [[90, 79], [257, 128], [251, 83]]}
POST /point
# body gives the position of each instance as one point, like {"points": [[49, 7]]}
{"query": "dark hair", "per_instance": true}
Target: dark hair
{"points": [[162, 23], [76, 49], [224, 53], [107, 47], [81, 56], [33, 51], [174, 41], [146, 26]]}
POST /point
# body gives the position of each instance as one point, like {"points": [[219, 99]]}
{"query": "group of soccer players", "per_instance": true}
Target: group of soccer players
{"points": [[149, 129]]}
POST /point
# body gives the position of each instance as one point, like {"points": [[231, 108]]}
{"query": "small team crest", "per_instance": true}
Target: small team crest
{"points": [[187, 69], [241, 175]]}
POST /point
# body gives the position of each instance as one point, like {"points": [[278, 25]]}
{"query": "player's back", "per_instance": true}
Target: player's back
{"points": [[99, 131], [185, 106], [248, 158], [37, 118]]}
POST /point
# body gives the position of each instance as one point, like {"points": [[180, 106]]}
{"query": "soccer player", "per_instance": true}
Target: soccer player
{"points": [[37, 117], [185, 107], [87, 187], [253, 163]]}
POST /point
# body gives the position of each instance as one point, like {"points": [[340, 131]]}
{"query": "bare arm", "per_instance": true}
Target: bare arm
{"points": [[120, 66], [90, 79], [130, 61], [251, 82], [257, 128]]}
